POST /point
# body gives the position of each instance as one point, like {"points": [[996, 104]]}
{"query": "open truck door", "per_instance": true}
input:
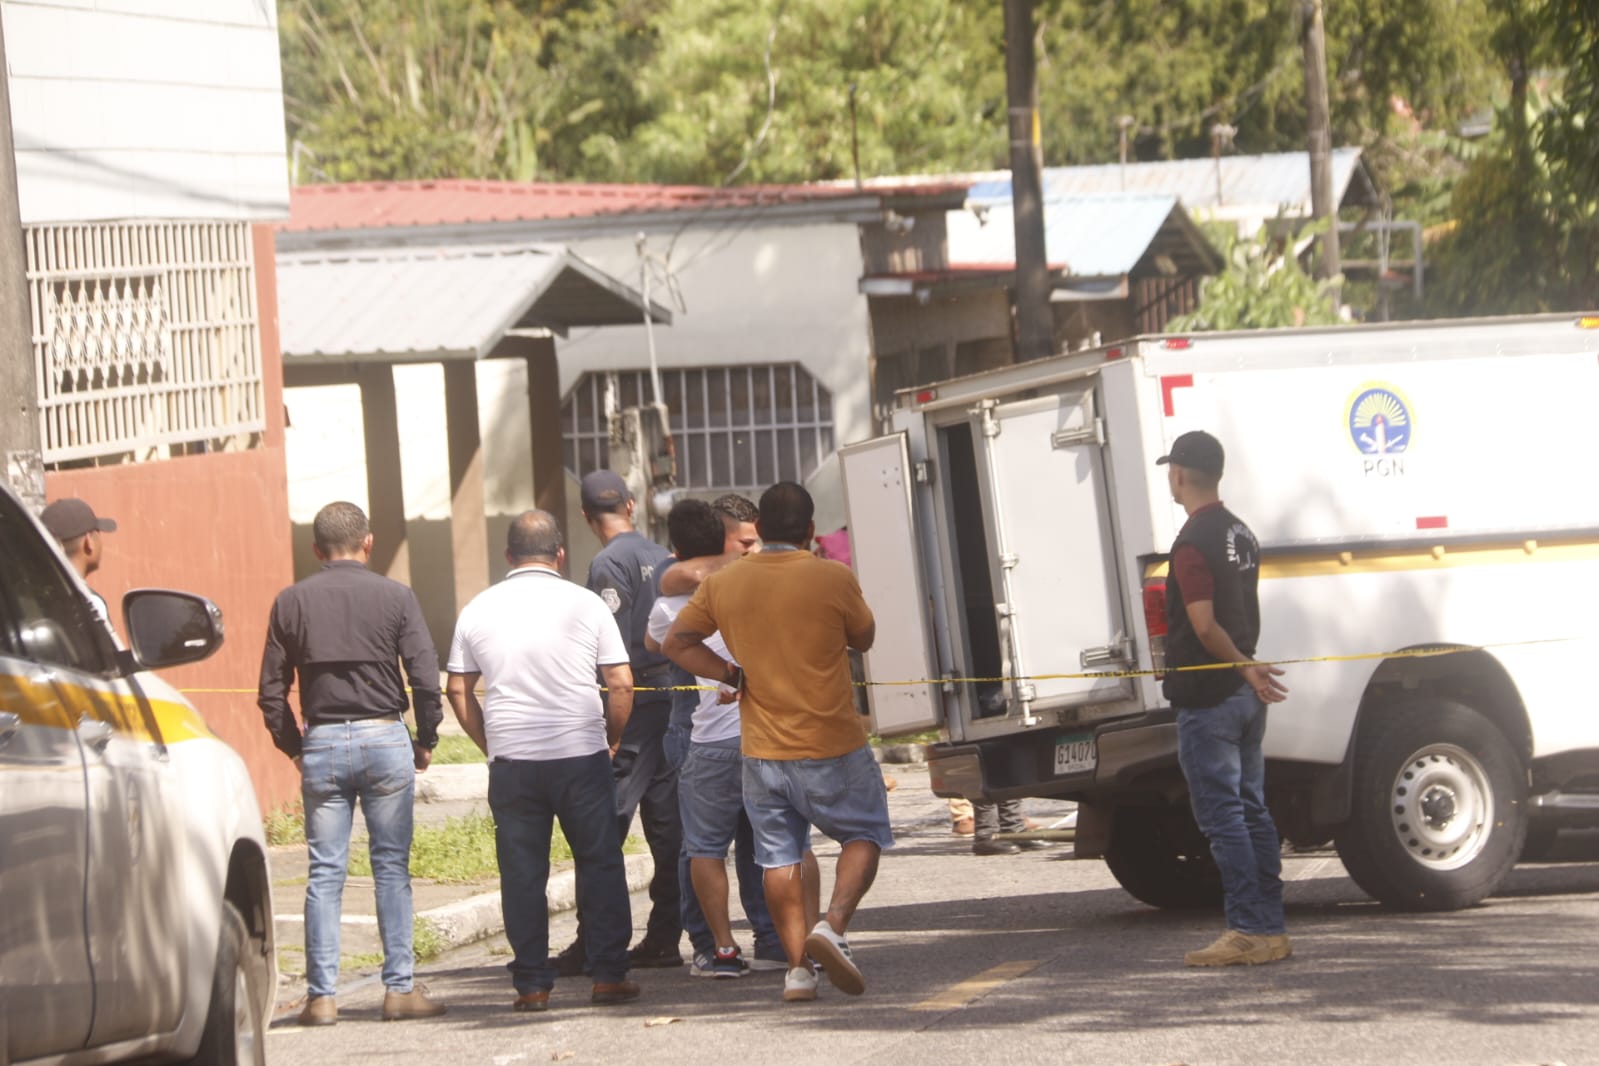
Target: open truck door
{"points": [[1052, 550], [886, 555]]}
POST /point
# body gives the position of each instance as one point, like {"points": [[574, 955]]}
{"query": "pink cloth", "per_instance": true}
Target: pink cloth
{"points": [[834, 545]]}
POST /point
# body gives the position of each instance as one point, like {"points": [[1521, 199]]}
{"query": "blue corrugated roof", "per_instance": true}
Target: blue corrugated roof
{"points": [[1281, 179], [1094, 236]]}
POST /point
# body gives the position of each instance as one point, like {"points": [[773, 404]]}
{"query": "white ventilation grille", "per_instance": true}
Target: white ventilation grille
{"points": [[146, 339]]}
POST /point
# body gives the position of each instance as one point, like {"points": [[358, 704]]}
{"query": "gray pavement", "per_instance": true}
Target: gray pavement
{"points": [[1033, 958], [456, 914]]}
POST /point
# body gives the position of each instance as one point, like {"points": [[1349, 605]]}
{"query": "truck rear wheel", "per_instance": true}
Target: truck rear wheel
{"points": [[1160, 857], [1438, 817]]}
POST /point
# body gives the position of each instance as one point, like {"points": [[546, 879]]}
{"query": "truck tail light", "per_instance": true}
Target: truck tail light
{"points": [[1155, 622]]}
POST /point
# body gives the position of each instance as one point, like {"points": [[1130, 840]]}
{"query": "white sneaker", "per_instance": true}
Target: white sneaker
{"points": [[799, 985], [830, 951]]}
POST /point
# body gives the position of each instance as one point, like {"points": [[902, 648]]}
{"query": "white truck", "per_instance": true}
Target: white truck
{"points": [[1429, 546]]}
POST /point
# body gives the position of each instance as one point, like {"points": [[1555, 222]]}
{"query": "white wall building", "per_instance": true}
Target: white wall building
{"points": [[766, 367]]}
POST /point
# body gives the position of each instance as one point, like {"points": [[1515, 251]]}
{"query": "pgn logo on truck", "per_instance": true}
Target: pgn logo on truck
{"points": [[1379, 423]]}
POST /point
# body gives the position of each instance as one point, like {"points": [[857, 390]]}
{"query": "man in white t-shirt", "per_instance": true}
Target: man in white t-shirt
{"points": [[535, 640]]}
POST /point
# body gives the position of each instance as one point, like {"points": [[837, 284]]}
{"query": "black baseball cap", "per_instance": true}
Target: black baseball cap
{"points": [[72, 517], [1196, 450], [604, 490]]}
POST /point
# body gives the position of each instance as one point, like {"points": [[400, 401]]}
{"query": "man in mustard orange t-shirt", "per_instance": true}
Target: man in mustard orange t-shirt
{"points": [[789, 619]]}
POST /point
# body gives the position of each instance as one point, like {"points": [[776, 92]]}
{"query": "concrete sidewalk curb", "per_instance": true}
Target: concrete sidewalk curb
{"points": [[478, 917], [456, 783], [464, 921]]}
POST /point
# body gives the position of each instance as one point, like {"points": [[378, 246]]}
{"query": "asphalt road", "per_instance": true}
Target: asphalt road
{"points": [[1040, 958]]}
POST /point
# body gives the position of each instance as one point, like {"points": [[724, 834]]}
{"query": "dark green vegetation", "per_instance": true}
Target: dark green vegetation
{"points": [[720, 91]]}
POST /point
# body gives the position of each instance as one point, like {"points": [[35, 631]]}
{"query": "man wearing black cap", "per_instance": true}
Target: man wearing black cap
{"points": [[1213, 616], [623, 576], [74, 523]]}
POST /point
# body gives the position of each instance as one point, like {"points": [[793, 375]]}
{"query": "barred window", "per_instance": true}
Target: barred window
{"points": [[736, 429], [145, 339]]}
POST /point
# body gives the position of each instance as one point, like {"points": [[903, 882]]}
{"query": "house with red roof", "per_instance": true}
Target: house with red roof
{"points": [[766, 365], [782, 318]]}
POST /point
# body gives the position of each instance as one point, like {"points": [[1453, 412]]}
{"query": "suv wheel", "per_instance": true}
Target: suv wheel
{"points": [[235, 1032]]}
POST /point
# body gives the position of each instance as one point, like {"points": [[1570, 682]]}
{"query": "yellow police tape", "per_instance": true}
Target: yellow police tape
{"points": [[1407, 653]]}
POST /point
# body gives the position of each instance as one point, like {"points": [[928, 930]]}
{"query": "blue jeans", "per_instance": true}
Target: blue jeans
{"points": [[843, 796], [527, 796], [681, 724], [647, 783], [710, 783], [340, 763], [1219, 749]]}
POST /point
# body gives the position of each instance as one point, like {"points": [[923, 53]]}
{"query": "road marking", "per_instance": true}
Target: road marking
{"points": [[1311, 869], [958, 995]]}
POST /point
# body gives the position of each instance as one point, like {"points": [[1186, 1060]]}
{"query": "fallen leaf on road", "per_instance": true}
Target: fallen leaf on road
{"points": [[660, 1021], [562, 1056]]}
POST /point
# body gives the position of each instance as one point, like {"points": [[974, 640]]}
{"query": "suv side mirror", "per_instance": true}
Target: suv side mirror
{"points": [[170, 628]]}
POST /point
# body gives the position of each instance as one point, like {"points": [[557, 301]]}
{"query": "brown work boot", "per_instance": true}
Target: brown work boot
{"points": [[399, 1006], [319, 1010], [532, 1002], [1281, 948], [1233, 948], [610, 993]]}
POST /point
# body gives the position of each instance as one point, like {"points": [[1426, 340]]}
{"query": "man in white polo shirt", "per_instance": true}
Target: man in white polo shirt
{"points": [[536, 640]]}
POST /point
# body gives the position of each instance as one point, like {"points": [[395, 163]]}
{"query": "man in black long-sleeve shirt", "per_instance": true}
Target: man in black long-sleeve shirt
{"points": [[345, 630]]}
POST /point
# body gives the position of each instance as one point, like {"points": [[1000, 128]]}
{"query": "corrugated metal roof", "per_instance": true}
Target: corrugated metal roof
{"points": [[432, 304], [366, 205], [1090, 236], [1205, 186]]}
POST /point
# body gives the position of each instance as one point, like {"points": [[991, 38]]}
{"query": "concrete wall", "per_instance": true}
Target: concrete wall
{"points": [[217, 525], [168, 109]]}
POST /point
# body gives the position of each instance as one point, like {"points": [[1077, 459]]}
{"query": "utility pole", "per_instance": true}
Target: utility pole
{"points": [[1318, 121], [19, 387], [1035, 335]]}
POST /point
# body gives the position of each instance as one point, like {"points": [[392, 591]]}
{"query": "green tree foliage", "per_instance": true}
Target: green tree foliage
{"points": [[762, 91], [696, 90], [1262, 286], [1178, 67], [1524, 236], [379, 89]]}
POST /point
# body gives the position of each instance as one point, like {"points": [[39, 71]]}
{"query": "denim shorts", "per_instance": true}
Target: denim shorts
{"points": [[710, 797], [843, 796]]}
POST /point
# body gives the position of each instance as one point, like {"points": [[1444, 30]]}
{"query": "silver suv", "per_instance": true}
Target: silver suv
{"points": [[135, 917]]}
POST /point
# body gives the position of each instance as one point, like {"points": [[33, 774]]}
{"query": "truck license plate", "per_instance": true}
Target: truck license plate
{"points": [[1075, 754]]}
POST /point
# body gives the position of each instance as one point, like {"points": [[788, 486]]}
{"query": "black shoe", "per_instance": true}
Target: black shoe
{"points": [[990, 846], [571, 962], [1034, 845], [654, 955]]}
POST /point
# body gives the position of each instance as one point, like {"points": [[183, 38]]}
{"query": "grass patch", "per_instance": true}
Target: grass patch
{"points": [[285, 825], [458, 852], [362, 962], [926, 736], [456, 750], [426, 943]]}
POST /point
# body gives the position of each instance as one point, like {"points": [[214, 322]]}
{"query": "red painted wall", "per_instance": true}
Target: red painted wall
{"points": [[217, 525]]}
